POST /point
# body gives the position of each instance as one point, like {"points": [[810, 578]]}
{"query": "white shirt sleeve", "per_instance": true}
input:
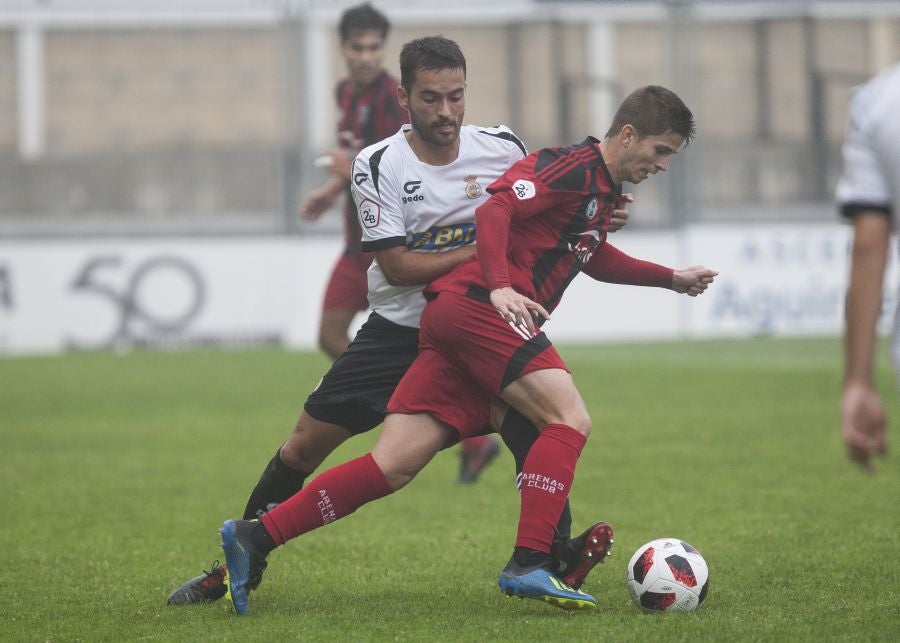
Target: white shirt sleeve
{"points": [[378, 207], [863, 179], [871, 163]]}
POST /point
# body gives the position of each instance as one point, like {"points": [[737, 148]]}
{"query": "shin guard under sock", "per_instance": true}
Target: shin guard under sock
{"points": [[277, 483], [546, 479], [329, 496], [519, 434]]}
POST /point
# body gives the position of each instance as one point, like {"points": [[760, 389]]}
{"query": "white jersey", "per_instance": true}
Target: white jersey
{"points": [[871, 172], [402, 201]]}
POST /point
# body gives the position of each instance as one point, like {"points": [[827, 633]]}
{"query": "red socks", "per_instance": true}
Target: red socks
{"points": [[338, 492], [333, 494], [546, 478]]}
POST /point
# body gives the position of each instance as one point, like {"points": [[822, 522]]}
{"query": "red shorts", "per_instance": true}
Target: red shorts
{"points": [[467, 356], [348, 286]]}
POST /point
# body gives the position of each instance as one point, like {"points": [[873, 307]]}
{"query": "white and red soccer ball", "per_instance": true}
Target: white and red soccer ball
{"points": [[667, 575]]}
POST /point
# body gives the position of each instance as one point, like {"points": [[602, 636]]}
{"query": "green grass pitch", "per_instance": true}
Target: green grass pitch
{"points": [[116, 471]]}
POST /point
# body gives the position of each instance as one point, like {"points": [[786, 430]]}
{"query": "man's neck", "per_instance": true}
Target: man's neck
{"points": [[610, 153], [432, 154], [357, 88]]}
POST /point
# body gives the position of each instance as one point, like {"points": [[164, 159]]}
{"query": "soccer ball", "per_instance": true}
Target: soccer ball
{"points": [[667, 575]]}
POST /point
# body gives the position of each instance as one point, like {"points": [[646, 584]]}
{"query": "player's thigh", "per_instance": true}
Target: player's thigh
{"points": [[435, 385], [355, 391], [491, 352], [548, 396]]}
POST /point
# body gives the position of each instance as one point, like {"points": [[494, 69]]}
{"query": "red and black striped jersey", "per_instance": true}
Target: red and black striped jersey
{"points": [[546, 221], [365, 118]]}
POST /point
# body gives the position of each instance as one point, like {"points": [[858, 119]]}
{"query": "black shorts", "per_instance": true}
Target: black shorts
{"points": [[354, 393]]}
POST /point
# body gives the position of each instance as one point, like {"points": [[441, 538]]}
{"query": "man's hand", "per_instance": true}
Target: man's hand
{"points": [[619, 216], [518, 309], [692, 281], [341, 163], [863, 424], [318, 201]]}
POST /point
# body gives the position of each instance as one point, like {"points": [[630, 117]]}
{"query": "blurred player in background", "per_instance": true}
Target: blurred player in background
{"points": [[368, 112], [868, 194], [546, 222], [416, 192]]}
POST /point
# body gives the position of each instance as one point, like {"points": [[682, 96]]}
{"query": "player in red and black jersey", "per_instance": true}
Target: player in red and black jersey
{"points": [[368, 112], [546, 222], [551, 210], [481, 350]]}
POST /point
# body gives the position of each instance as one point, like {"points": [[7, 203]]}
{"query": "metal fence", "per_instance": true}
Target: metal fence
{"points": [[196, 117]]}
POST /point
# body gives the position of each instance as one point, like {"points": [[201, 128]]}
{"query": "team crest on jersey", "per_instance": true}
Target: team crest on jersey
{"points": [[591, 211], [523, 189], [473, 190], [584, 245]]}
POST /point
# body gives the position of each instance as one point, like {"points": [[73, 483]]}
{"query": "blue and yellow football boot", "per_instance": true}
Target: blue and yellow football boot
{"points": [[538, 583], [244, 564]]}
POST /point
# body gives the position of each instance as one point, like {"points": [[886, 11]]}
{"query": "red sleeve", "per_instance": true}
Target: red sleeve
{"points": [[492, 219], [613, 266], [516, 194]]}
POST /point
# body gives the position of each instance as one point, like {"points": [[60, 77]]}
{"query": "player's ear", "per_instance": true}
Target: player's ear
{"points": [[627, 135], [402, 97]]}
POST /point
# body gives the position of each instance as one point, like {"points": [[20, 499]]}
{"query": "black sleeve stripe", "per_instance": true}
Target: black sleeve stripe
{"points": [[850, 210], [374, 162], [383, 244], [507, 136]]}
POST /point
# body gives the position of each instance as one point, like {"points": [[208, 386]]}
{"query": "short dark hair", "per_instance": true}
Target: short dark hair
{"points": [[363, 17], [432, 53], [654, 110]]}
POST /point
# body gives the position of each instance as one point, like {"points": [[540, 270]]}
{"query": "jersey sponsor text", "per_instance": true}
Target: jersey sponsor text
{"points": [[443, 237]]}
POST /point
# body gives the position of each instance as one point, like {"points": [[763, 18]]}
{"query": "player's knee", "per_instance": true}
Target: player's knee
{"points": [[581, 422], [398, 464], [300, 456], [308, 445], [399, 471], [398, 478]]}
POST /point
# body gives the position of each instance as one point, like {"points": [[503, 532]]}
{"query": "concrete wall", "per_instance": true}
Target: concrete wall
{"points": [[164, 123]]}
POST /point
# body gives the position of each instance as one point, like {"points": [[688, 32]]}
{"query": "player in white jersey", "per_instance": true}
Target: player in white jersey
{"points": [[403, 202], [868, 193], [407, 203], [416, 194]]}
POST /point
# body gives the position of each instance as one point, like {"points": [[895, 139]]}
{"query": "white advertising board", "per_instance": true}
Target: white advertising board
{"points": [[85, 295], [114, 294], [774, 279]]}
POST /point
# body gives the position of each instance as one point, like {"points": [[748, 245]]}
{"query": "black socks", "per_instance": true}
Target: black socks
{"points": [[261, 539], [276, 484], [526, 557]]}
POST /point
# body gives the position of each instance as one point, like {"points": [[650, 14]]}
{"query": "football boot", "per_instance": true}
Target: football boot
{"points": [[538, 583], [208, 587], [244, 564], [574, 558]]}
